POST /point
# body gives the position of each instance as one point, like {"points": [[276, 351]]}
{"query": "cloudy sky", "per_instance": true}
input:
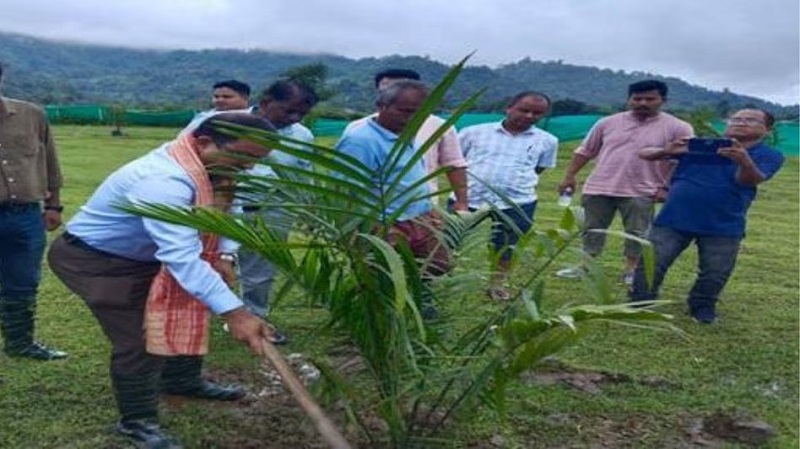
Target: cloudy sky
{"points": [[751, 47]]}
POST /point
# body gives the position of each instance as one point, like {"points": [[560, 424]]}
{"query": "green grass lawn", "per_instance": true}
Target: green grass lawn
{"points": [[747, 362]]}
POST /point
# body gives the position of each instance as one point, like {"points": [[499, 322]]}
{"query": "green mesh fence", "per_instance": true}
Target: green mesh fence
{"points": [[787, 138], [176, 119], [89, 114], [103, 115], [786, 135], [327, 127]]}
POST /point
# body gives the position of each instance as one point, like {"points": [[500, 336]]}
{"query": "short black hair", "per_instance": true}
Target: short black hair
{"points": [[285, 90], [237, 86], [528, 93], [648, 85], [396, 73], [211, 128], [769, 119]]}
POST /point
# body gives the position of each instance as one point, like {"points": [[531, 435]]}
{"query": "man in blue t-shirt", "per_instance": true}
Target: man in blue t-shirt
{"points": [[708, 199], [409, 210]]}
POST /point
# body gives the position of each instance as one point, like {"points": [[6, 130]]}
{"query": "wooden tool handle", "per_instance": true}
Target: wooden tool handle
{"points": [[324, 425]]}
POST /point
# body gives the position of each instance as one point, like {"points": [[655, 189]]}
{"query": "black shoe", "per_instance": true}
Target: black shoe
{"points": [[210, 390], [36, 351], [148, 434], [429, 312], [704, 314]]}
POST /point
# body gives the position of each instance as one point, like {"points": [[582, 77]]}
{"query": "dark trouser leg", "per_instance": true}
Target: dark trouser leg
{"points": [[599, 212], [716, 258], [137, 401], [427, 309], [182, 375], [256, 274], [508, 226], [668, 244], [22, 242], [136, 397], [637, 216], [17, 318], [115, 290], [135, 376]]}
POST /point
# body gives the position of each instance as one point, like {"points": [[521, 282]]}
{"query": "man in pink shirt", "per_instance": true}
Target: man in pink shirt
{"points": [[621, 181], [445, 152]]}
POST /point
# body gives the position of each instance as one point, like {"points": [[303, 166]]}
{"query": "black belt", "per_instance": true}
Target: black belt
{"points": [[19, 207], [251, 208], [78, 243]]}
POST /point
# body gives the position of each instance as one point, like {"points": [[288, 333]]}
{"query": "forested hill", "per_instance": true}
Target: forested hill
{"points": [[55, 72]]}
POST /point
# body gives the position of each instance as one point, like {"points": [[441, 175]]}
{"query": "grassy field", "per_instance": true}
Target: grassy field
{"points": [[747, 363]]}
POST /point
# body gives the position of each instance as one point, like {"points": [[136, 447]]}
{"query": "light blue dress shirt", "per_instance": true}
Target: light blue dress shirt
{"points": [[153, 178]]}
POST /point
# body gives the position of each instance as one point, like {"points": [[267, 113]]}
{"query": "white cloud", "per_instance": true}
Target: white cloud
{"points": [[749, 47]]}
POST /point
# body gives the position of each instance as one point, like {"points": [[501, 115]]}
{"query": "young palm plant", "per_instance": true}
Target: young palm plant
{"points": [[421, 372]]}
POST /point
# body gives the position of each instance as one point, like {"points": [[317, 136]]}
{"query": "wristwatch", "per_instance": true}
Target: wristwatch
{"points": [[58, 209], [228, 257]]}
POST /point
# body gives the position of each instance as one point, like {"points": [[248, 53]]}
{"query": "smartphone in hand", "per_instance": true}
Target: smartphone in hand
{"points": [[708, 145]]}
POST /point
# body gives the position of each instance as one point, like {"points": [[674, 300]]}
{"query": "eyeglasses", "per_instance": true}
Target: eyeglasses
{"points": [[750, 121]]}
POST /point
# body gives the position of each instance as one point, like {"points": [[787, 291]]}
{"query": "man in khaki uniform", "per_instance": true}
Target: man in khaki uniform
{"points": [[30, 180]]}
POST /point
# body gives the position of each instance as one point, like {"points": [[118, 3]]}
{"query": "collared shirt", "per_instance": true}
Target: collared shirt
{"points": [[29, 168], [294, 131], [153, 178], [445, 152], [371, 144], [615, 141], [506, 162], [705, 198]]}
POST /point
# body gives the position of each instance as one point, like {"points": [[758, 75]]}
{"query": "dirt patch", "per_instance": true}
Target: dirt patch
{"points": [[737, 426], [684, 431], [270, 418], [589, 381]]}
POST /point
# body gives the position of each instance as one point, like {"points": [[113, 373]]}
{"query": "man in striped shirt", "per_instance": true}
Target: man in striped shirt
{"points": [[505, 160]]}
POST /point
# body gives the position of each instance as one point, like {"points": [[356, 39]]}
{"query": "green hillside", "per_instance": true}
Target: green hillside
{"points": [[55, 72]]}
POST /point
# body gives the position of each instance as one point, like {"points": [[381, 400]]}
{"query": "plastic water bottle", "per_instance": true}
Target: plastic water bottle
{"points": [[566, 197]]}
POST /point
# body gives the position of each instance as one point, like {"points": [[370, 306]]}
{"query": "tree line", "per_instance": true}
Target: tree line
{"points": [[49, 72]]}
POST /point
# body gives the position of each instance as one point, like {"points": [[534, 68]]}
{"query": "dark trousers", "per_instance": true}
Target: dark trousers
{"points": [[716, 258], [599, 211], [22, 243], [508, 225], [115, 289]]}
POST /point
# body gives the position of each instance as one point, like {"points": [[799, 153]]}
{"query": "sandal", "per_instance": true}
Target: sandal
{"points": [[498, 293]]}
